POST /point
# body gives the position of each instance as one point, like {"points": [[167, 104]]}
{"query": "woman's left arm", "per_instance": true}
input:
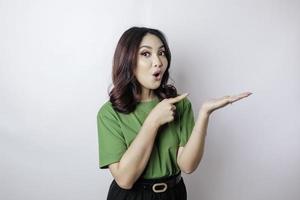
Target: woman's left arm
{"points": [[190, 155]]}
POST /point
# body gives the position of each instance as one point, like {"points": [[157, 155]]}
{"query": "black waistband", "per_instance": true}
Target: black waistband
{"points": [[171, 181]]}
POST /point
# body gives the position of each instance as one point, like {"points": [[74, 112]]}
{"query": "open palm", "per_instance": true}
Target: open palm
{"points": [[214, 104]]}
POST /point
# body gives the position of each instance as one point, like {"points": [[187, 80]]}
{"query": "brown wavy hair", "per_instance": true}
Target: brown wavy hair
{"points": [[126, 92]]}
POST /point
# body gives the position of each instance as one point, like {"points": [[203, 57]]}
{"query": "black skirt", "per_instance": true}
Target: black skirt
{"points": [[140, 192]]}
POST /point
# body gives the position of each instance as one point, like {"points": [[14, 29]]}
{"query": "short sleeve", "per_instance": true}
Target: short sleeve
{"points": [[186, 121], [110, 138]]}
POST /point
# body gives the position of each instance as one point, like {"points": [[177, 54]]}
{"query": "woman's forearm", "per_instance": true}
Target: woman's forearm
{"points": [[192, 152], [135, 159]]}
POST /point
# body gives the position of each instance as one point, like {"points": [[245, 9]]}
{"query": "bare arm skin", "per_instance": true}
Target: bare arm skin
{"points": [[134, 160], [190, 155]]}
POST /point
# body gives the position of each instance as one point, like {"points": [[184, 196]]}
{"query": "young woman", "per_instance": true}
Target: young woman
{"points": [[147, 133]]}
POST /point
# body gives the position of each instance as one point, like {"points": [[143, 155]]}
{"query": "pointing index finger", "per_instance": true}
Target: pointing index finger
{"points": [[178, 98]]}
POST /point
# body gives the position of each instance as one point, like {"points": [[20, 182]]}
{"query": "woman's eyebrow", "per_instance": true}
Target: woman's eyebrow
{"points": [[151, 47]]}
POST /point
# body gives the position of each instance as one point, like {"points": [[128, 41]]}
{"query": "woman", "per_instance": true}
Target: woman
{"points": [[147, 133]]}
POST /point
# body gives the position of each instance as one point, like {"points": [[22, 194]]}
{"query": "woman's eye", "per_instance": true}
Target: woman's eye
{"points": [[145, 54], [163, 53]]}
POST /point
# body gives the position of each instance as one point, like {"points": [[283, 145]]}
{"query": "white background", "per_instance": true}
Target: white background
{"points": [[55, 69]]}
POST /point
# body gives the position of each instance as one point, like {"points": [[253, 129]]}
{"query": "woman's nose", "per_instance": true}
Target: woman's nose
{"points": [[157, 62]]}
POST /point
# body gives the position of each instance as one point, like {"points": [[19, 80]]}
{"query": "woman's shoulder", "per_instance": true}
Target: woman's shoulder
{"points": [[184, 103], [106, 109], [187, 100]]}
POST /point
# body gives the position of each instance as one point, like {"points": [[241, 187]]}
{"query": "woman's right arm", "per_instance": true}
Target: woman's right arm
{"points": [[135, 159]]}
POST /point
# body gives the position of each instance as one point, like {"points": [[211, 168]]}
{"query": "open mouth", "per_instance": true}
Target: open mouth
{"points": [[157, 75]]}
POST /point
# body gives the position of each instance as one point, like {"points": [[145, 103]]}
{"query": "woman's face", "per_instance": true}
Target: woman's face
{"points": [[151, 62]]}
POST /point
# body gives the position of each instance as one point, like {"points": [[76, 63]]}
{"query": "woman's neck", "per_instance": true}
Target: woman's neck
{"points": [[147, 95]]}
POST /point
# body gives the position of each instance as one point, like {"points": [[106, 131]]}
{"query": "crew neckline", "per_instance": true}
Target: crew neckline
{"points": [[149, 101]]}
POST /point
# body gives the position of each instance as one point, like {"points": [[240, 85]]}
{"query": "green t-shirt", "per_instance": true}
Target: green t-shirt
{"points": [[117, 130]]}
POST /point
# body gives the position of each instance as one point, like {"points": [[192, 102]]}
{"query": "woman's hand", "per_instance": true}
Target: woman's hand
{"points": [[209, 106], [164, 111]]}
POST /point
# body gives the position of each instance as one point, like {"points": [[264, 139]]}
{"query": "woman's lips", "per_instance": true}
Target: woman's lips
{"points": [[157, 77]]}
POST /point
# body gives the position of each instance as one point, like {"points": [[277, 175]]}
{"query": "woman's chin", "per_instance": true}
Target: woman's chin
{"points": [[155, 86]]}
